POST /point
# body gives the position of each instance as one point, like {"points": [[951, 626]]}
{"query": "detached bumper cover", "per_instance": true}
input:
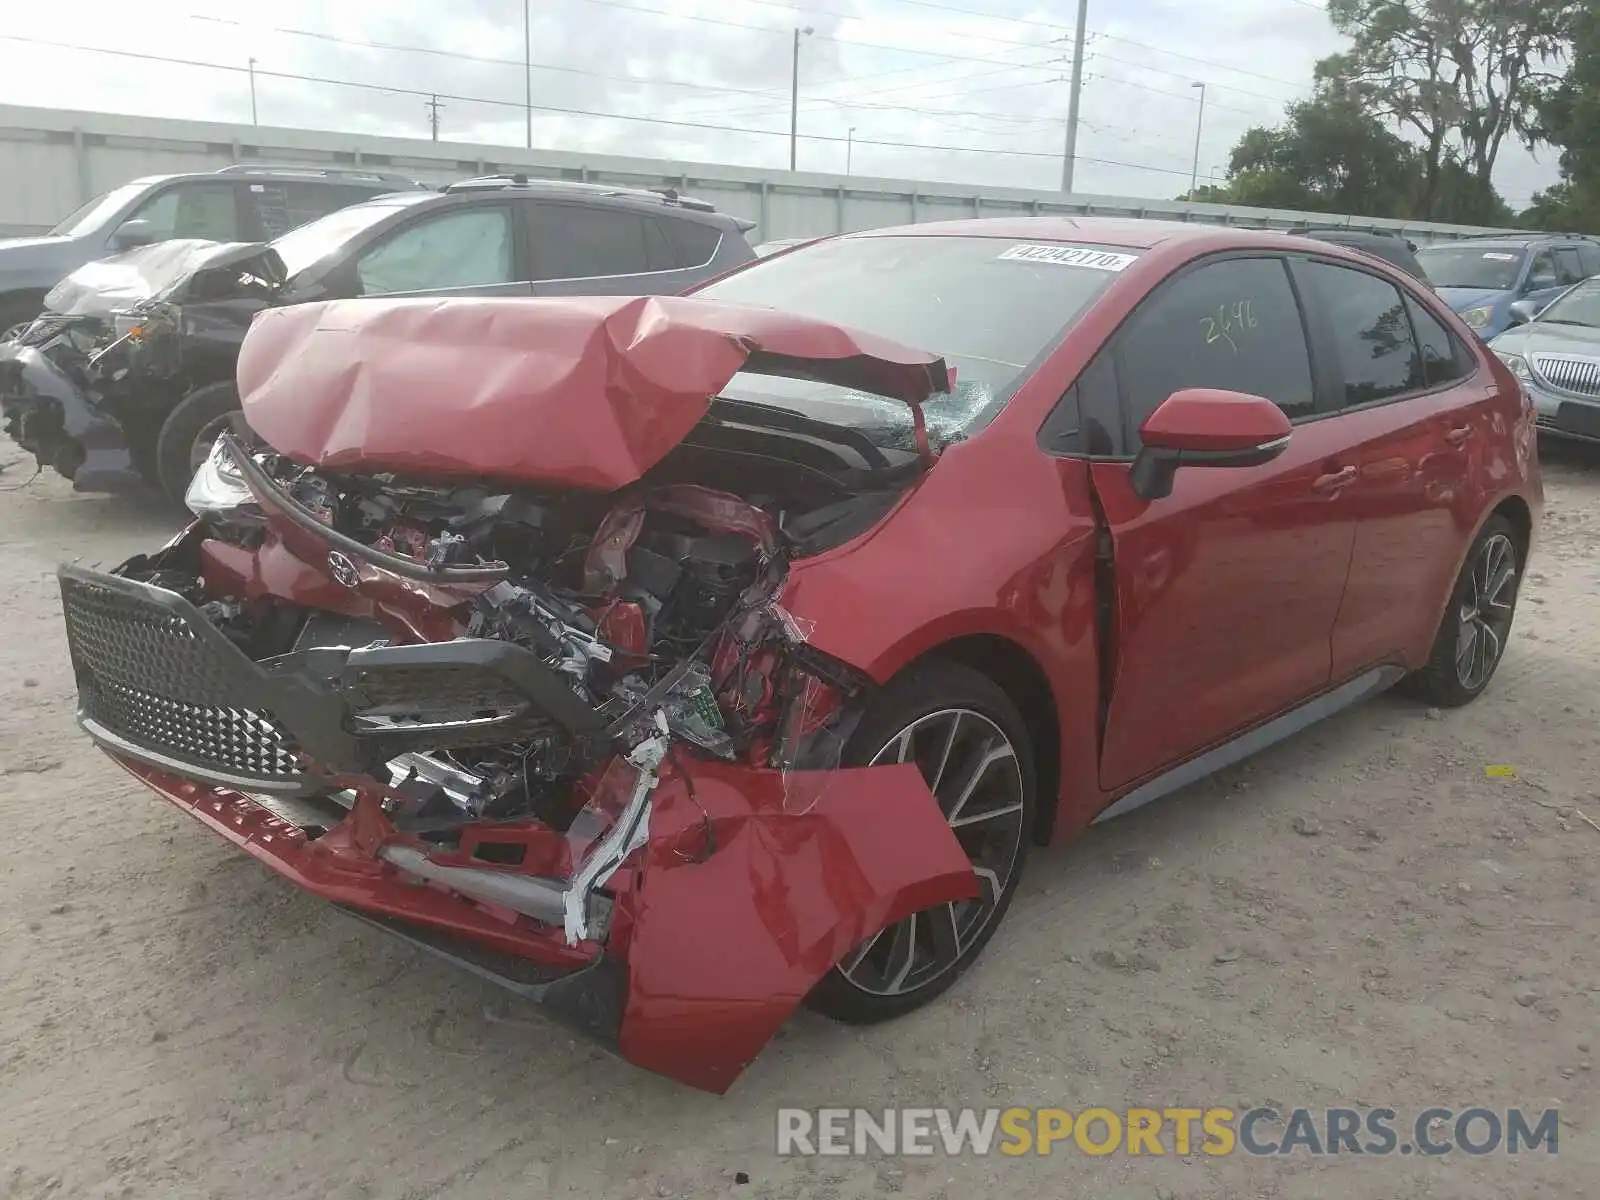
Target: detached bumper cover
{"points": [[47, 414], [719, 948], [747, 887]]}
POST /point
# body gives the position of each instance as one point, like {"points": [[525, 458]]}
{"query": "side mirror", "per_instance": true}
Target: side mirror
{"points": [[1203, 427], [137, 232], [1524, 311]]}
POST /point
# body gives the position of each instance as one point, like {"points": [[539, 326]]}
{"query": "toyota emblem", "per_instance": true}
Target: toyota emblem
{"points": [[343, 570]]}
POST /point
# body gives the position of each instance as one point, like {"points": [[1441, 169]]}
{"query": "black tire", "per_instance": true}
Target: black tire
{"points": [[191, 427], [16, 314], [1476, 623], [951, 936]]}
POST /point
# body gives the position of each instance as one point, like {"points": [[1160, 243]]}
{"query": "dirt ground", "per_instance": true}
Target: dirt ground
{"points": [[1361, 917]]}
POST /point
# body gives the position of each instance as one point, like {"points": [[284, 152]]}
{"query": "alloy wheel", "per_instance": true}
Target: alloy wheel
{"points": [[1484, 618], [971, 767]]}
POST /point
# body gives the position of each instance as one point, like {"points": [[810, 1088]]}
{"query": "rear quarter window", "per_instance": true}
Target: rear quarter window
{"points": [[693, 244]]}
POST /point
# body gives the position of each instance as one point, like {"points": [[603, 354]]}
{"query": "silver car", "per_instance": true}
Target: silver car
{"points": [[1556, 354]]}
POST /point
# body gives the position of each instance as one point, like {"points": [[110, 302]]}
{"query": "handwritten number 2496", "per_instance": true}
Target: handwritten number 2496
{"points": [[1228, 320]]}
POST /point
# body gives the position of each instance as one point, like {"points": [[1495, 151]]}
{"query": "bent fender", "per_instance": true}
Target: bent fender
{"points": [[724, 949]]}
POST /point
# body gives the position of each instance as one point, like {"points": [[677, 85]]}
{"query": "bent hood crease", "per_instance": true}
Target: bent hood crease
{"points": [[159, 270], [584, 392]]}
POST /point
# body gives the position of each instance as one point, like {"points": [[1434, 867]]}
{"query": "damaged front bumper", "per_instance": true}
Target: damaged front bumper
{"points": [[687, 909], [51, 416]]}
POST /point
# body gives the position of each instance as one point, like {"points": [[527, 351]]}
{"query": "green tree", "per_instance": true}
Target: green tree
{"points": [[1328, 156], [1463, 75], [1569, 117]]}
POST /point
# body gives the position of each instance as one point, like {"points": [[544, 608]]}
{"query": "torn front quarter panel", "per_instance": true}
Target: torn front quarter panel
{"points": [[744, 907], [583, 392]]}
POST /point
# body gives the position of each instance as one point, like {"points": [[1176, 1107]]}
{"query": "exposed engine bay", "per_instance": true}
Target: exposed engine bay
{"points": [[492, 648], [656, 608]]}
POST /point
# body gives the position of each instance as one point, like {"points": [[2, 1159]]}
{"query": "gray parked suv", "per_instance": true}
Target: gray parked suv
{"points": [[129, 372], [242, 203]]}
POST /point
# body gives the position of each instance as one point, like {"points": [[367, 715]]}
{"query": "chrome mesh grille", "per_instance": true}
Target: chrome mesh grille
{"points": [[1580, 376]]}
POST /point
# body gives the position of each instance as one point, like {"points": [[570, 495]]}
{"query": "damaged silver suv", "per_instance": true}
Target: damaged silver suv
{"points": [[128, 375], [247, 202]]}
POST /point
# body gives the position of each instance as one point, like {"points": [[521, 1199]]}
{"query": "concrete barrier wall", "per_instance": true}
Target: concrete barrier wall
{"points": [[53, 160]]}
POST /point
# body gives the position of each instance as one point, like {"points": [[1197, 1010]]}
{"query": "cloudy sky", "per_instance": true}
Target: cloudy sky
{"points": [[967, 91]]}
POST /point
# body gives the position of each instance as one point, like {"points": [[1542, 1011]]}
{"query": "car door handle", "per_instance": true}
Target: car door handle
{"points": [[1332, 483], [1459, 435]]}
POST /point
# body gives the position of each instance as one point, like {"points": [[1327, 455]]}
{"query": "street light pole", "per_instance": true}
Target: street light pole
{"points": [[1070, 155], [253, 120], [1199, 127], [794, 95], [527, 64], [849, 147]]}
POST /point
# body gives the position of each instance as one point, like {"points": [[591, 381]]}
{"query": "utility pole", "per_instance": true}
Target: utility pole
{"points": [[794, 95], [1199, 128], [1071, 154], [253, 120], [849, 147], [527, 63], [433, 106]]}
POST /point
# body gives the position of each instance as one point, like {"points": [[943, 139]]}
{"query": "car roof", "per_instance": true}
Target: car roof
{"points": [[1513, 240], [1128, 233], [609, 194], [351, 176]]}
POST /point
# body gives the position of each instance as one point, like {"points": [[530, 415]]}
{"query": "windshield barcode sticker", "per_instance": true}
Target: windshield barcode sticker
{"points": [[1071, 256]]}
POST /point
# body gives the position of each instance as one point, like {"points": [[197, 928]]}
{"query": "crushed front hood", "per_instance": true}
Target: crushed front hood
{"points": [[583, 392], [164, 269]]}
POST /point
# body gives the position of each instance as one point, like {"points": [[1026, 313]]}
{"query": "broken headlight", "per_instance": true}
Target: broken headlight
{"points": [[128, 324], [219, 491]]}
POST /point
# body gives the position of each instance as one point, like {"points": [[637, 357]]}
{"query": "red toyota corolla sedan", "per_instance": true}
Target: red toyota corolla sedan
{"points": [[677, 661]]}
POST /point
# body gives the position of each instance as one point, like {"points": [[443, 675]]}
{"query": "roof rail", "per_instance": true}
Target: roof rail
{"points": [[518, 179], [671, 196], [349, 173]]}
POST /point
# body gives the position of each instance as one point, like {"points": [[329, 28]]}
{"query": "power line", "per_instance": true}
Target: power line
{"points": [[792, 6], [1048, 65], [848, 101], [649, 82], [550, 108], [821, 37]]}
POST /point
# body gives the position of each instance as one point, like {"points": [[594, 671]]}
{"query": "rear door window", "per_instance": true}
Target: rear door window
{"points": [[572, 241], [1589, 258], [1233, 325], [282, 206], [460, 249], [208, 210], [1370, 329]]}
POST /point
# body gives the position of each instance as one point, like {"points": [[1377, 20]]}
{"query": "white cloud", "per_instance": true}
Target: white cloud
{"points": [[894, 71]]}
